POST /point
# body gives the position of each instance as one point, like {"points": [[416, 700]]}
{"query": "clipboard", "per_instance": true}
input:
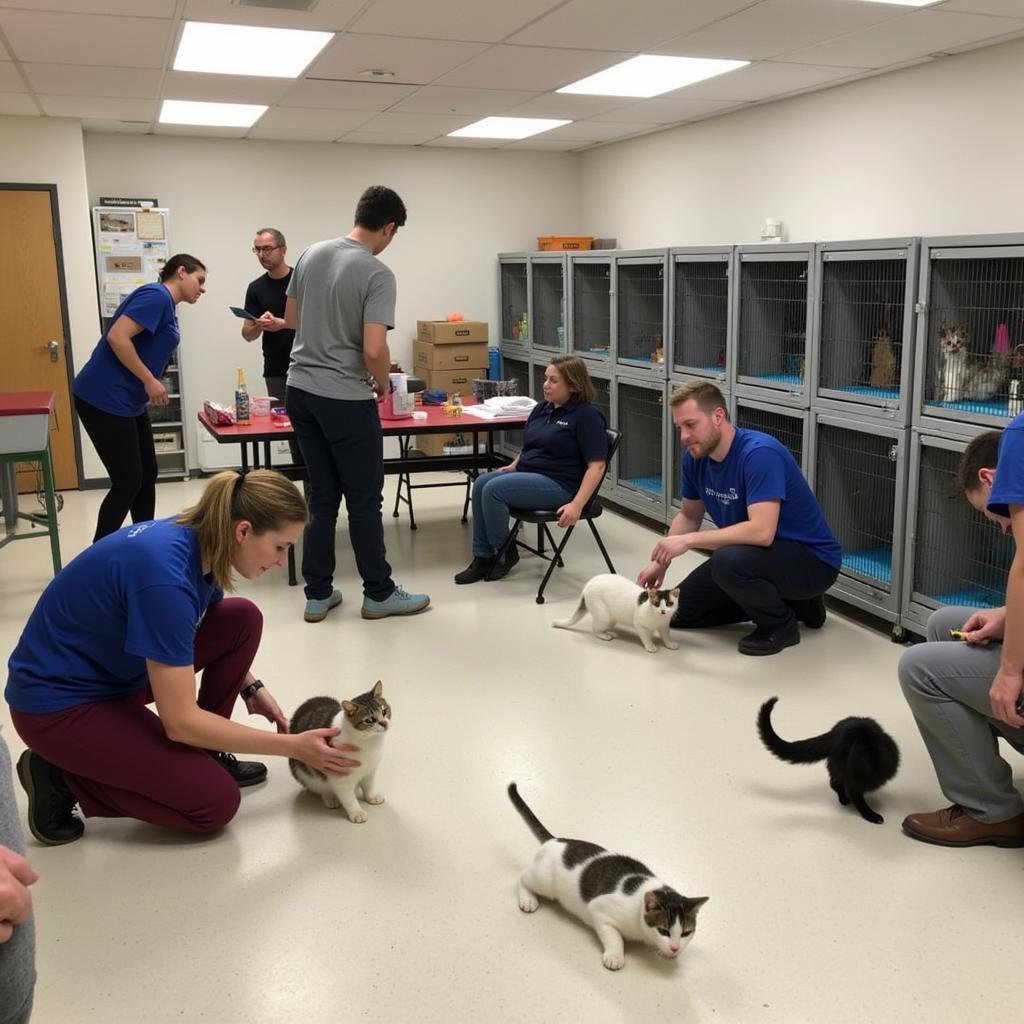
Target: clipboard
{"points": [[243, 313]]}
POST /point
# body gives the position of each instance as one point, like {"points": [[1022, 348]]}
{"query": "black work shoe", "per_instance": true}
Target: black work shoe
{"points": [[51, 816], [810, 612], [476, 570], [245, 773], [503, 565], [770, 641]]}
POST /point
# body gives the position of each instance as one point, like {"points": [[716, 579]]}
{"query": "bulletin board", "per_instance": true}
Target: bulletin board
{"points": [[132, 245]]}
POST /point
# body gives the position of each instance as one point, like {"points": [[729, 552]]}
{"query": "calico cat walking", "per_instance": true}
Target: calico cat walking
{"points": [[861, 756], [364, 720], [617, 896], [613, 600]]}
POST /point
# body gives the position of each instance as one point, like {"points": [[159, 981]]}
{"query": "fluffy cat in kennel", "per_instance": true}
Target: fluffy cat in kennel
{"points": [[364, 721], [957, 377]]}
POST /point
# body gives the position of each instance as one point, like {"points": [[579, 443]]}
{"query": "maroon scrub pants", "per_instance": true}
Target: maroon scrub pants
{"points": [[116, 757]]}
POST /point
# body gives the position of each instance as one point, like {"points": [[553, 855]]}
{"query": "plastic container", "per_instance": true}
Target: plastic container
{"points": [[261, 406], [494, 363]]}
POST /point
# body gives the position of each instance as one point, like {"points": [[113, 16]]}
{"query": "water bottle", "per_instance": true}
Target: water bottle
{"points": [[494, 363]]}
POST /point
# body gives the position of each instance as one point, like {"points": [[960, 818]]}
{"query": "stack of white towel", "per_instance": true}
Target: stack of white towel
{"points": [[503, 405]]}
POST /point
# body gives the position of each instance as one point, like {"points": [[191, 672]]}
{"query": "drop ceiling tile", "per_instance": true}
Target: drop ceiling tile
{"points": [[439, 99], [658, 111], [345, 95], [567, 105], [17, 103], [103, 107], [598, 131], [48, 38], [326, 15], [195, 85], [323, 122], [384, 139], [205, 131], [778, 26], [762, 81], [616, 25], [416, 61], [290, 135], [416, 124], [106, 127], [451, 19], [10, 80], [919, 34], [76, 80], [134, 8], [551, 145], [1005, 8], [448, 143], [512, 67]]}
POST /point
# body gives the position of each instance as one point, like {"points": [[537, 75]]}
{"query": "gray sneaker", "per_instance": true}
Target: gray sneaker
{"points": [[399, 603], [317, 608]]}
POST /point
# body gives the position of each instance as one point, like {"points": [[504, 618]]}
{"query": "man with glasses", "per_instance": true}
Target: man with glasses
{"points": [[265, 298]]}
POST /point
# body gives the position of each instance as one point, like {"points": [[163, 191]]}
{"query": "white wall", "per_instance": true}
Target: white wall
{"points": [[48, 151], [933, 149], [464, 207]]}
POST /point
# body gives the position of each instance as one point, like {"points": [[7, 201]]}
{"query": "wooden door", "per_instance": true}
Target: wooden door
{"points": [[33, 317]]}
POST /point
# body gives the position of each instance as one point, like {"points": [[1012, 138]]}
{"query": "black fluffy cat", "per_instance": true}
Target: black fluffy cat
{"points": [[860, 754]]}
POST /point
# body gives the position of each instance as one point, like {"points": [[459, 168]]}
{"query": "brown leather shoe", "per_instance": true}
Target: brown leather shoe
{"points": [[953, 826]]}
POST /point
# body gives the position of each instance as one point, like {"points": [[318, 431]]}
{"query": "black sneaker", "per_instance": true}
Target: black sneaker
{"points": [[501, 567], [810, 612], [770, 641], [51, 804], [245, 773], [476, 570]]}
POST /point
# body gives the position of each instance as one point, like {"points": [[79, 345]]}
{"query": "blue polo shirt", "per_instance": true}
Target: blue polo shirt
{"points": [[105, 382], [138, 593], [760, 468], [559, 442], [1008, 485]]}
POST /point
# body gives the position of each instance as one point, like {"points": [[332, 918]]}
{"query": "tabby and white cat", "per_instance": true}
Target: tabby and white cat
{"points": [[883, 361], [619, 897], [613, 600], [956, 379], [364, 720]]}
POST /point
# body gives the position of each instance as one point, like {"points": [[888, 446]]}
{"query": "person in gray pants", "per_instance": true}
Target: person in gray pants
{"points": [[963, 692], [17, 928]]}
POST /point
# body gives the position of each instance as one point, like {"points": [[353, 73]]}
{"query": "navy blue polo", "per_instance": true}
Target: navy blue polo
{"points": [[560, 442]]}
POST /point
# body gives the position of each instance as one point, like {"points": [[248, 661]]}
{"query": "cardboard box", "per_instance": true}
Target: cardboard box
{"points": [[454, 380], [428, 356], [166, 440], [433, 444], [561, 243], [440, 332]]}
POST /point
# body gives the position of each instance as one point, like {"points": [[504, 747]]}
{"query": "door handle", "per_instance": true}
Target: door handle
{"points": [[53, 347]]}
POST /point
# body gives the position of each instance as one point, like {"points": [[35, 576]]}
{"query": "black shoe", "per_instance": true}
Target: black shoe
{"points": [[245, 773], [770, 641], [476, 570], [810, 612], [51, 804], [502, 566]]}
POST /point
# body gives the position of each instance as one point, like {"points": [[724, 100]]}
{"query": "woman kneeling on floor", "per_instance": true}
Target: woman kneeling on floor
{"points": [[131, 621], [565, 446]]}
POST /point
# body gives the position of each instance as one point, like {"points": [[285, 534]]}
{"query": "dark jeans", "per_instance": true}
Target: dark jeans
{"points": [[343, 446], [276, 387], [743, 583], [125, 447]]}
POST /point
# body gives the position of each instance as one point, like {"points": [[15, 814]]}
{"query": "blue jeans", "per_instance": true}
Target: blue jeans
{"points": [[493, 493]]}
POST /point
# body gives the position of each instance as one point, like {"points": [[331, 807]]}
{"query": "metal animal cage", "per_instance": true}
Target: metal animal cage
{"points": [[603, 400], [641, 307], [772, 322], [640, 416], [538, 367], [547, 305], [864, 333], [786, 425], [859, 479], [514, 367], [700, 314], [591, 327], [955, 555], [972, 338], [515, 290]]}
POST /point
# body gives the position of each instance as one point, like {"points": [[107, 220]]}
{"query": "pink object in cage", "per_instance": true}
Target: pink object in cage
{"points": [[1001, 346]]}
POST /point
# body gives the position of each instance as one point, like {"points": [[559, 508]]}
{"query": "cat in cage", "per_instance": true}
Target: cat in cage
{"points": [[957, 377]]}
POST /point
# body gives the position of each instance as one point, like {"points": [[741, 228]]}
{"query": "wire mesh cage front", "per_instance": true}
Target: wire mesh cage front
{"points": [[773, 321], [975, 335], [855, 484], [787, 429], [701, 315], [641, 313], [959, 556], [537, 372], [641, 420], [548, 328], [513, 300], [863, 307], [517, 370], [603, 397], [592, 309]]}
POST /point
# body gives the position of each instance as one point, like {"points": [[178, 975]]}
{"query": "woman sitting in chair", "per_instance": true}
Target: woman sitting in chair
{"points": [[565, 447]]}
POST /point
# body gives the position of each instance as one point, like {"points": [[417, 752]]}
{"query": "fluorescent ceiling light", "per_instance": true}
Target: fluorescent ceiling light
{"points": [[247, 50], [651, 75], [223, 115], [507, 128]]}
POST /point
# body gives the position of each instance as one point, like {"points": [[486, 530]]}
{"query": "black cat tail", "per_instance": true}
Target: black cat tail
{"points": [[808, 751], [531, 819]]}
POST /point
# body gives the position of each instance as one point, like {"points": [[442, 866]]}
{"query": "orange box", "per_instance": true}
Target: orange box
{"points": [[559, 243]]}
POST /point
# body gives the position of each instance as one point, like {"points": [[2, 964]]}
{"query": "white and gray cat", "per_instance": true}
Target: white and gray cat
{"points": [[613, 600], [957, 378], [364, 721], [619, 897]]}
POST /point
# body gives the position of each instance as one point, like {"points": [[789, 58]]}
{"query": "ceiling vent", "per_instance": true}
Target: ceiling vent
{"points": [[278, 5]]}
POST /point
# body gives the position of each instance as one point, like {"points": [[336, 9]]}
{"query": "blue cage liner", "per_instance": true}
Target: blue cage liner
{"points": [[639, 359], [990, 407], [652, 484], [863, 389], [972, 597], [780, 378], [875, 563]]}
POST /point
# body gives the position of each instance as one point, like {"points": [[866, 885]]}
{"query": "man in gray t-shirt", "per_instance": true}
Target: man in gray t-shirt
{"points": [[341, 302]]}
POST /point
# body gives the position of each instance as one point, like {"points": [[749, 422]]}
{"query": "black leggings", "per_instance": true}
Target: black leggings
{"points": [[125, 446]]}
